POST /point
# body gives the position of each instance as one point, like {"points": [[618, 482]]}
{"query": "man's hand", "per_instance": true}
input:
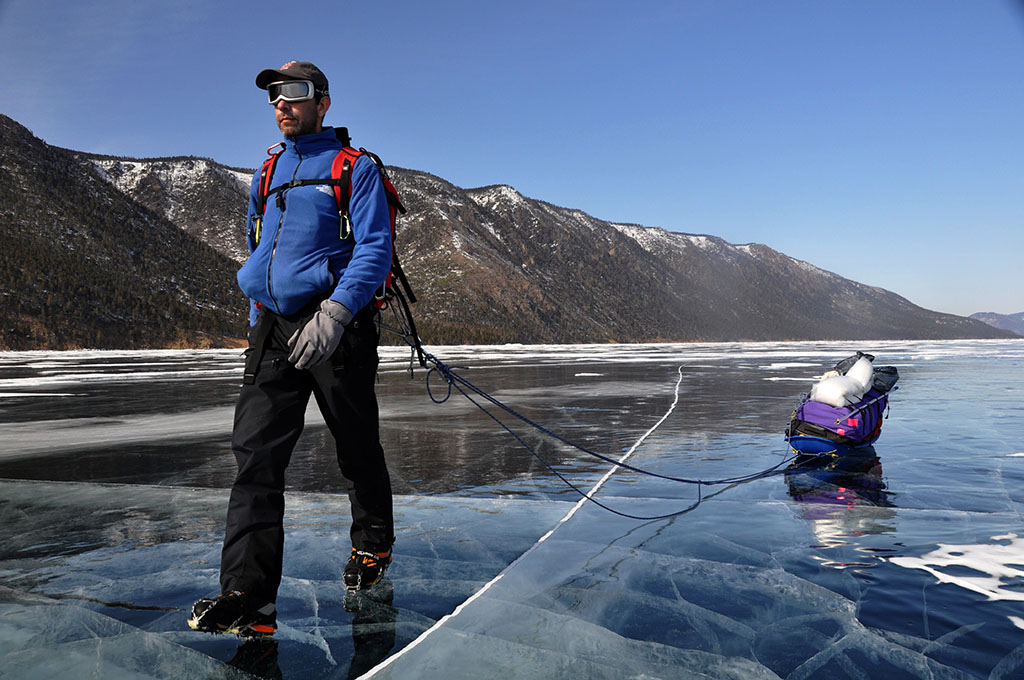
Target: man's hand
{"points": [[315, 342]]}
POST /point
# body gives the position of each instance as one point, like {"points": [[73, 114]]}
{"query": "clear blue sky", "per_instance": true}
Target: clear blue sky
{"points": [[882, 140]]}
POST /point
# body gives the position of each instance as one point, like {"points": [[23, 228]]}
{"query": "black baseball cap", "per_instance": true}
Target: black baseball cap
{"points": [[294, 70]]}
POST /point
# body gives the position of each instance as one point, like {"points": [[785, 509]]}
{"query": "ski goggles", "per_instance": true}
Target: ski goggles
{"points": [[290, 91]]}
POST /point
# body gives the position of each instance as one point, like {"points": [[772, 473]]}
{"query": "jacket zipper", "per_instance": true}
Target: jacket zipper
{"points": [[280, 225]]}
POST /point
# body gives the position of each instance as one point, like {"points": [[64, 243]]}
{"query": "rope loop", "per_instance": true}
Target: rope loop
{"points": [[430, 391], [446, 372]]}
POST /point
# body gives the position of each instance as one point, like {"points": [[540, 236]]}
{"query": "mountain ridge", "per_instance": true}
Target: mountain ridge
{"points": [[490, 265], [1007, 322], [84, 265]]}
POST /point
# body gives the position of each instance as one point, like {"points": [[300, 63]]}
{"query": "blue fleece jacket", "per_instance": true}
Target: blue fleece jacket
{"points": [[300, 254]]}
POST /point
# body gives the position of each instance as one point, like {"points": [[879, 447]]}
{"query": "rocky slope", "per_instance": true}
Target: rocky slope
{"points": [[488, 264]]}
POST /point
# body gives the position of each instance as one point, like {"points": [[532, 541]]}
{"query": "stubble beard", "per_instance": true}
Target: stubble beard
{"points": [[291, 127]]}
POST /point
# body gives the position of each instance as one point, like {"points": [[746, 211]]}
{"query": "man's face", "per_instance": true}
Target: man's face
{"points": [[300, 118]]}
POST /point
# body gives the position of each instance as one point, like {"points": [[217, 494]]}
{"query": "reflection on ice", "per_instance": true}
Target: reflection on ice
{"points": [[843, 501], [41, 638], [112, 570], [910, 572]]}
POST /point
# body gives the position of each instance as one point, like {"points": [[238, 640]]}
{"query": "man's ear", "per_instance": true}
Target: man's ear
{"points": [[322, 106]]}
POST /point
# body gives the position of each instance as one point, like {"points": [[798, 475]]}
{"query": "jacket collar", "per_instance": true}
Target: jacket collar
{"points": [[312, 143]]}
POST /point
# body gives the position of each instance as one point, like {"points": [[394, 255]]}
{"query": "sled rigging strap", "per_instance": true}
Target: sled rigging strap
{"points": [[341, 182], [467, 389], [869, 403]]}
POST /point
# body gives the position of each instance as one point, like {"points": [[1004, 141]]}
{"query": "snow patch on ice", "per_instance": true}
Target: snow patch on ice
{"points": [[997, 564], [18, 395], [67, 434]]}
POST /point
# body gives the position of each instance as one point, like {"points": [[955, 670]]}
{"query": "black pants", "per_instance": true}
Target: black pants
{"points": [[268, 422]]}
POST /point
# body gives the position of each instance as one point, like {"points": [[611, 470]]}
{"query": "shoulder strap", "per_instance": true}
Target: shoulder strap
{"points": [[341, 176], [266, 173], [341, 170]]}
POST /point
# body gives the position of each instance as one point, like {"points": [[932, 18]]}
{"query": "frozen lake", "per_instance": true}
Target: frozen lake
{"points": [[114, 470]]}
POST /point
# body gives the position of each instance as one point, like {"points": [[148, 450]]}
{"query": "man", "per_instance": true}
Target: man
{"points": [[313, 331]]}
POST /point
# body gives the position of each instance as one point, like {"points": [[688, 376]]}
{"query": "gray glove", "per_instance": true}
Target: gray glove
{"points": [[315, 342]]}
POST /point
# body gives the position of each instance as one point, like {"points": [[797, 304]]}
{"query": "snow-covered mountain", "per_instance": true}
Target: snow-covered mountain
{"points": [[491, 265], [197, 194]]}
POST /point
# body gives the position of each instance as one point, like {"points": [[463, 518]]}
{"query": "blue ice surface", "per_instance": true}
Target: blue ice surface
{"points": [[910, 565]]}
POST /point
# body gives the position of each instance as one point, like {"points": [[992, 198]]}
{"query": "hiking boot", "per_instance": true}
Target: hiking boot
{"points": [[365, 569], [232, 613]]}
